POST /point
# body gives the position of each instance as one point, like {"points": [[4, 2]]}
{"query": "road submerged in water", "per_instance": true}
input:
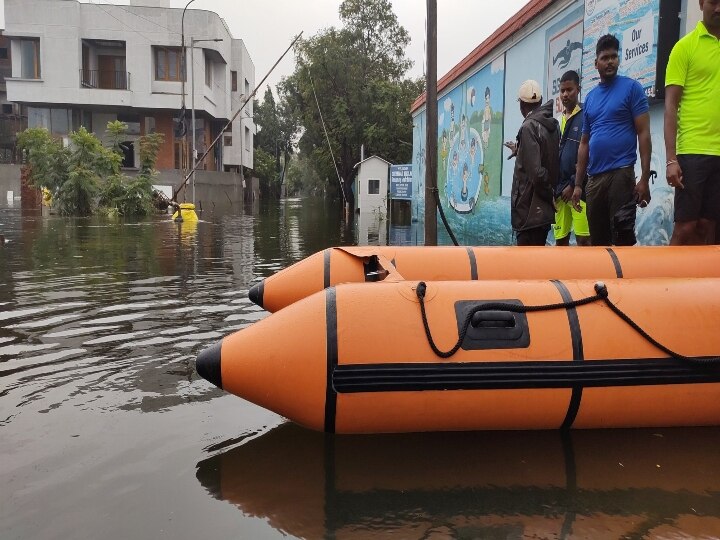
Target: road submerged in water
{"points": [[106, 430]]}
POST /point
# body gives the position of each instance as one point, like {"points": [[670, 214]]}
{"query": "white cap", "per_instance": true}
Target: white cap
{"points": [[530, 92]]}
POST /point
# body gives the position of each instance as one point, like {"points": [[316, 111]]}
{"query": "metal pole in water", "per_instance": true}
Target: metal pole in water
{"points": [[431, 127]]}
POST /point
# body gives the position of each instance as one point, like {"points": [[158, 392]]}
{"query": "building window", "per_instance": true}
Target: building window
{"points": [[3, 53], [60, 121], [149, 125], [168, 63], [233, 78], [39, 118], [208, 71], [56, 121], [7, 108], [81, 118], [227, 140], [30, 58], [373, 187]]}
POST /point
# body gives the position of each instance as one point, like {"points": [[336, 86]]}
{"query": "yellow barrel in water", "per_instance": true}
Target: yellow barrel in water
{"points": [[185, 213]]}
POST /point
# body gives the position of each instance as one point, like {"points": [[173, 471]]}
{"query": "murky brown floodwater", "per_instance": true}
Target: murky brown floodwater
{"points": [[107, 432]]}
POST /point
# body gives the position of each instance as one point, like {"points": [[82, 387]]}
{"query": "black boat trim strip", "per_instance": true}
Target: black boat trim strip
{"points": [[408, 377], [332, 359], [578, 355], [473, 264], [616, 262], [326, 267]]}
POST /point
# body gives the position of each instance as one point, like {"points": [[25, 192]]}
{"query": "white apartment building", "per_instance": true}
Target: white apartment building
{"points": [[84, 64]]}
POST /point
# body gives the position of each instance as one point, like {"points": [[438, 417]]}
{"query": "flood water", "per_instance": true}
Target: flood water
{"points": [[107, 432]]}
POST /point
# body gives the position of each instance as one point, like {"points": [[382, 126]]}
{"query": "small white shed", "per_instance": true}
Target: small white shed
{"points": [[372, 185]]}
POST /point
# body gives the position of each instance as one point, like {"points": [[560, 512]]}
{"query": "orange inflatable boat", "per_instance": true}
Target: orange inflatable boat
{"points": [[544, 484], [337, 265], [478, 355]]}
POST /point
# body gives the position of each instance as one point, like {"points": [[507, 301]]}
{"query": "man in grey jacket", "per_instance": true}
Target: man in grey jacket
{"points": [[537, 167]]}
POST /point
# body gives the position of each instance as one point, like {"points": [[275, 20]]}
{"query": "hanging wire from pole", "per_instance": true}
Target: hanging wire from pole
{"points": [[229, 123], [342, 184]]}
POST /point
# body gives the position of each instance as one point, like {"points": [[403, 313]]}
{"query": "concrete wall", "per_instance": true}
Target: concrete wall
{"points": [[214, 191], [243, 130], [141, 28]]}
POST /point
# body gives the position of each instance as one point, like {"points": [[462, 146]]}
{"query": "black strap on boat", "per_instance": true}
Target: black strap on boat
{"points": [[601, 293]]}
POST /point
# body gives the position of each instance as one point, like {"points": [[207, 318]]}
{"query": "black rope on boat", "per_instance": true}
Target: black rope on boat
{"points": [[493, 306], [707, 361], [601, 293]]}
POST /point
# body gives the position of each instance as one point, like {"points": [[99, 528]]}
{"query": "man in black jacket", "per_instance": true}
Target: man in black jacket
{"points": [[567, 219], [536, 168]]}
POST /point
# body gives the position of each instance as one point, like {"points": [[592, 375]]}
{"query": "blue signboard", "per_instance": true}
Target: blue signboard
{"points": [[401, 181]]}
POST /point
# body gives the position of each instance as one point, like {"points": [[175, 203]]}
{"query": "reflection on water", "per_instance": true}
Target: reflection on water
{"points": [[103, 418], [591, 484]]}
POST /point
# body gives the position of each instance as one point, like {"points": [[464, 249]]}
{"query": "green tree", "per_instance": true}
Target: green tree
{"points": [[302, 178], [86, 175], [116, 132], [266, 172], [89, 164], [47, 159], [355, 74], [132, 196], [277, 130], [72, 175]]}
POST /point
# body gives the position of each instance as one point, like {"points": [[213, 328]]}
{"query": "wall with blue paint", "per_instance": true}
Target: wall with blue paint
{"points": [[480, 214]]}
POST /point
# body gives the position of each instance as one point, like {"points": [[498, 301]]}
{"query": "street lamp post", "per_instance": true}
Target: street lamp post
{"points": [[183, 73], [193, 41]]}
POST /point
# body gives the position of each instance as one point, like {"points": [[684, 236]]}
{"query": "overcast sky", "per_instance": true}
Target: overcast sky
{"points": [[268, 26]]}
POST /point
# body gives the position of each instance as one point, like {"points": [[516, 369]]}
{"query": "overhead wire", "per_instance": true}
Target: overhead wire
{"points": [[322, 120], [247, 98]]}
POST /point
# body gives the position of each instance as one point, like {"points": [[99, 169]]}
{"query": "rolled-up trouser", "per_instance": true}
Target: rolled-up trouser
{"points": [[611, 207]]}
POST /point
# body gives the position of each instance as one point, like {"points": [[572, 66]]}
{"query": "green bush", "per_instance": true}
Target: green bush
{"points": [[85, 177]]}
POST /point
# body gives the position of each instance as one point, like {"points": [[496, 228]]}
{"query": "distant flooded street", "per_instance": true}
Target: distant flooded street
{"points": [[106, 431]]}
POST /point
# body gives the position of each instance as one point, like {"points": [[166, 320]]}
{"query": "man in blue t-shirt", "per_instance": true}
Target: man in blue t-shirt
{"points": [[616, 119]]}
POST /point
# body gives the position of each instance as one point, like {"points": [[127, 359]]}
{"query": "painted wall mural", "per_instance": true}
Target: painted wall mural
{"points": [[564, 52], [635, 24], [470, 136], [472, 120]]}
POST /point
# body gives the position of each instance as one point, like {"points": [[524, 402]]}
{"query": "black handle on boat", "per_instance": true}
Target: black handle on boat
{"points": [[493, 319]]}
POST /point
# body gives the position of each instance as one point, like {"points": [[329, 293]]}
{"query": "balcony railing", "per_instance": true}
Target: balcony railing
{"points": [[103, 79]]}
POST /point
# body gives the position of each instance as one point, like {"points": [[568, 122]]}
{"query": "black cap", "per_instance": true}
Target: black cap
{"points": [[256, 293], [208, 364]]}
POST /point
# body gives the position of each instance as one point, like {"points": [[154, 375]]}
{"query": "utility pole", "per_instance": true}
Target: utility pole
{"points": [[431, 126], [183, 76]]}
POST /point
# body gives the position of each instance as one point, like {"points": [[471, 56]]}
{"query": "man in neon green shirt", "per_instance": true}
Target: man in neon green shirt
{"points": [[692, 137]]}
